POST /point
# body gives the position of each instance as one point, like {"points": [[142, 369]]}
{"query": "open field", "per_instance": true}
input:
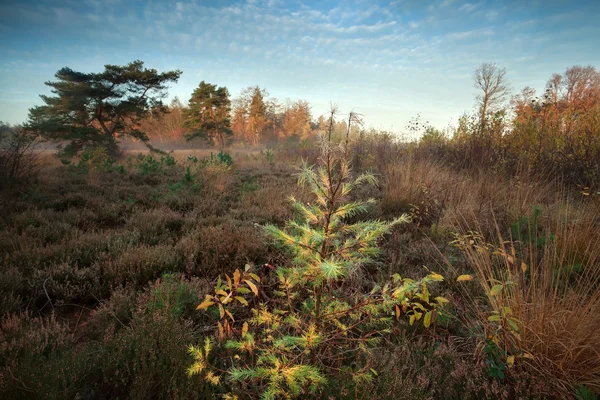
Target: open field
{"points": [[102, 271]]}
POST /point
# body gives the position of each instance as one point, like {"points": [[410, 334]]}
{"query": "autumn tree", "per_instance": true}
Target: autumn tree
{"points": [[297, 120], [254, 115], [490, 81], [560, 130], [208, 114], [96, 109], [165, 123]]}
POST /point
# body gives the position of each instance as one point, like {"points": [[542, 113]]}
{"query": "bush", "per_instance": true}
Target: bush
{"points": [[137, 266], [19, 161], [315, 327], [216, 247], [146, 354], [38, 359]]}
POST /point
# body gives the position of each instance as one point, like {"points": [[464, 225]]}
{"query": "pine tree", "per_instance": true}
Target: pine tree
{"points": [[316, 325], [257, 116], [208, 114], [96, 109]]}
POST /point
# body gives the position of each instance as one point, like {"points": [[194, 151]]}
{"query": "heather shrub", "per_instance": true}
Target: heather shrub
{"points": [[139, 265], [38, 360], [156, 226], [146, 354], [215, 247]]}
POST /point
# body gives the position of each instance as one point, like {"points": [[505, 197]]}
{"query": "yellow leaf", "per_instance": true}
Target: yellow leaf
{"points": [[495, 290], [241, 300], [236, 277], [397, 312], [529, 356], [244, 328], [412, 319], [442, 300], [510, 360], [206, 303], [425, 296], [252, 286], [221, 311], [427, 319], [221, 292], [465, 277], [436, 277]]}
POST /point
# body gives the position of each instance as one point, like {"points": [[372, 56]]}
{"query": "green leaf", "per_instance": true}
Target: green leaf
{"points": [[496, 289]]}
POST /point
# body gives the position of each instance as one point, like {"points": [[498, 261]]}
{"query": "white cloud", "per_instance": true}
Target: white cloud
{"points": [[472, 34], [469, 7]]}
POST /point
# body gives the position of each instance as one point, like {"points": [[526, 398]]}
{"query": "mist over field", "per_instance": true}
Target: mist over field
{"points": [[281, 200]]}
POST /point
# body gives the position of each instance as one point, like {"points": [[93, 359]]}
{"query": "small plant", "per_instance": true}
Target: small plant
{"points": [[250, 185], [147, 164], [222, 160], [188, 177], [225, 158], [269, 156], [428, 211], [307, 325], [527, 230], [582, 392], [495, 359], [168, 160]]}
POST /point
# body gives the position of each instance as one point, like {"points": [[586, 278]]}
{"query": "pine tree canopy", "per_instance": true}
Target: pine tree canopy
{"points": [[208, 113], [95, 109]]}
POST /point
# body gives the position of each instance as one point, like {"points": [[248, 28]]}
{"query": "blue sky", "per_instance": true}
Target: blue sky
{"points": [[386, 60]]}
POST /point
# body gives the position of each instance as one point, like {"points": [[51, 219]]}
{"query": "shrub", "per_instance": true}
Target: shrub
{"points": [[141, 264], [146, 356], [156, 226], [216, 247], [19, 161], [38, 359], [314, 327]]}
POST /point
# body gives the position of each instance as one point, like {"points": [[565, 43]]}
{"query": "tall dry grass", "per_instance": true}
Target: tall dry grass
{"points": [[462, 197], [552, 287], [550, 277]]}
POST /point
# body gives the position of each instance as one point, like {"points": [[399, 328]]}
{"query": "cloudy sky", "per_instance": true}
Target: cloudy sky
{"points": [[386, 60]]}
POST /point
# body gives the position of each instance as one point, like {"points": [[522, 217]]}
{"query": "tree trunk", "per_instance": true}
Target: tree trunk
{"points": [[112, 149]]}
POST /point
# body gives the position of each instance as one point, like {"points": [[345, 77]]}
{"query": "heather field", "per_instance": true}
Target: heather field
{"points": [[104, 264]]}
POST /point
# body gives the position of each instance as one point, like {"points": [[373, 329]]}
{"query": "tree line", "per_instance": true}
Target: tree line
{"points": [[555, 133], [126, 102], [561, 126]]}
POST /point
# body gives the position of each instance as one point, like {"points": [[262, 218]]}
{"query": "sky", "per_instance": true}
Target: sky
{"points": [[388, 61]]}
